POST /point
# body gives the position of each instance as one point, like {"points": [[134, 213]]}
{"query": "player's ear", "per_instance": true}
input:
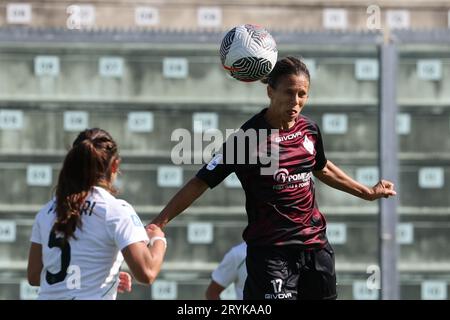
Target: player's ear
{"points": [[115, 166], [269, 91]]}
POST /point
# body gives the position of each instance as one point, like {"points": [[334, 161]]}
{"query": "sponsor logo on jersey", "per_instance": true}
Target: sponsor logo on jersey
{"points": [[281, 175], [214, 162], [288, 137], [276, 296], [290, 181]]}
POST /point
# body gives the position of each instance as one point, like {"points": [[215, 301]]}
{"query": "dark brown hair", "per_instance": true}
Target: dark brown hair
{"points": [[286, 66], [87, 164]]}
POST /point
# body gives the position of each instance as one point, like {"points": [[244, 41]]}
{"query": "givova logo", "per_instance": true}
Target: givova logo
{"points": [[274, 296], [288, 137]]}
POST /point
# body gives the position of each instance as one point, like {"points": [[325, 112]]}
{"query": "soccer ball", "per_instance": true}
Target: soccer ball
{"points": [[248, 52]]}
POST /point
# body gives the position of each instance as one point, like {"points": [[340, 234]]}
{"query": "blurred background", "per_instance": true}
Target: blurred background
{"points": [[141, 69]]}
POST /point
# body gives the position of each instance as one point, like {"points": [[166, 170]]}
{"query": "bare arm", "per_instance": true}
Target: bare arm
{"points": [[145, 263], [338, 179], [213, 291], [183, 199], [35, 266]]}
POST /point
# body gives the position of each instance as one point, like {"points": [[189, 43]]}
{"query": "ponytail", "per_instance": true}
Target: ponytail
{"points": [[87, 164]]}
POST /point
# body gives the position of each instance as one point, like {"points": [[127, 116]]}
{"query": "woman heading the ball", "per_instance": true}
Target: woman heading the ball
{"points": [[288, 254]]}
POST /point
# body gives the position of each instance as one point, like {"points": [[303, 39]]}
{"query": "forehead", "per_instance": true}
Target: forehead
{"points": [[293, 81]]}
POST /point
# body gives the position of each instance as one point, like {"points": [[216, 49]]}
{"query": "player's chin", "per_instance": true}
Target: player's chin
{"points": [[291, 117]]}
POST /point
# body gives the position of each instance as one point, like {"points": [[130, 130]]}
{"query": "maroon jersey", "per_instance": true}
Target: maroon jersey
{"points": [[281, 207]]}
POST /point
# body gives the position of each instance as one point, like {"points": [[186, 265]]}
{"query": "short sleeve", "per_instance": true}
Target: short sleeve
{"points": [[321, 160], [217, 169], [36, 231], [124, 225], [226, 272]]}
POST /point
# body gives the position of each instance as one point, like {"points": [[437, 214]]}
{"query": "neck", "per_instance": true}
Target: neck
{"points": [[105, 185], [276, 121]]}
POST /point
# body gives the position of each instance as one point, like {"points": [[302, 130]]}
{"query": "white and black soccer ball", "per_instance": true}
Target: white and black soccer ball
{"points": [[248, 52]]}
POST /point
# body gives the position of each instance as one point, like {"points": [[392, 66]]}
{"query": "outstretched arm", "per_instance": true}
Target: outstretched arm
{"points": [[183, 199], [338, 179], [145, 262]]}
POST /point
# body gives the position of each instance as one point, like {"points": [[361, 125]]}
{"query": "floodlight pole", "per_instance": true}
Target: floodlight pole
{"points": [[388, 163]]}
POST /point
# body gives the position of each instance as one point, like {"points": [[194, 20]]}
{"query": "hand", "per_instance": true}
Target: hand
{"points": [[384, 189], [157, 221], [154, 231], [124, 282]]}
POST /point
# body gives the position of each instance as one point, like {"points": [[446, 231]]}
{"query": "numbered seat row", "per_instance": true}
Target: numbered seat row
{"points": [[422, 241], [136, 131], [154, 131], [154, 185], [16, 287], [165, 16], [413, 285], [181, 76], [431, 182], [351, 286], [198, 241], [187, 285], [204, 239], [185, 76]]}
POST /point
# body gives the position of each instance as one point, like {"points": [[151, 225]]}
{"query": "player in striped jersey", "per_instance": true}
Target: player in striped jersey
{"points": [[288, 253]]}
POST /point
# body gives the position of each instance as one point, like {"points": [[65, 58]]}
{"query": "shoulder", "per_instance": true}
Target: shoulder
{"points": [[124, 206], [120, 207], [255, 122], [120, 210], [307, 124], [240, 250], [113, 207], [47, 211], [308, 121]]}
